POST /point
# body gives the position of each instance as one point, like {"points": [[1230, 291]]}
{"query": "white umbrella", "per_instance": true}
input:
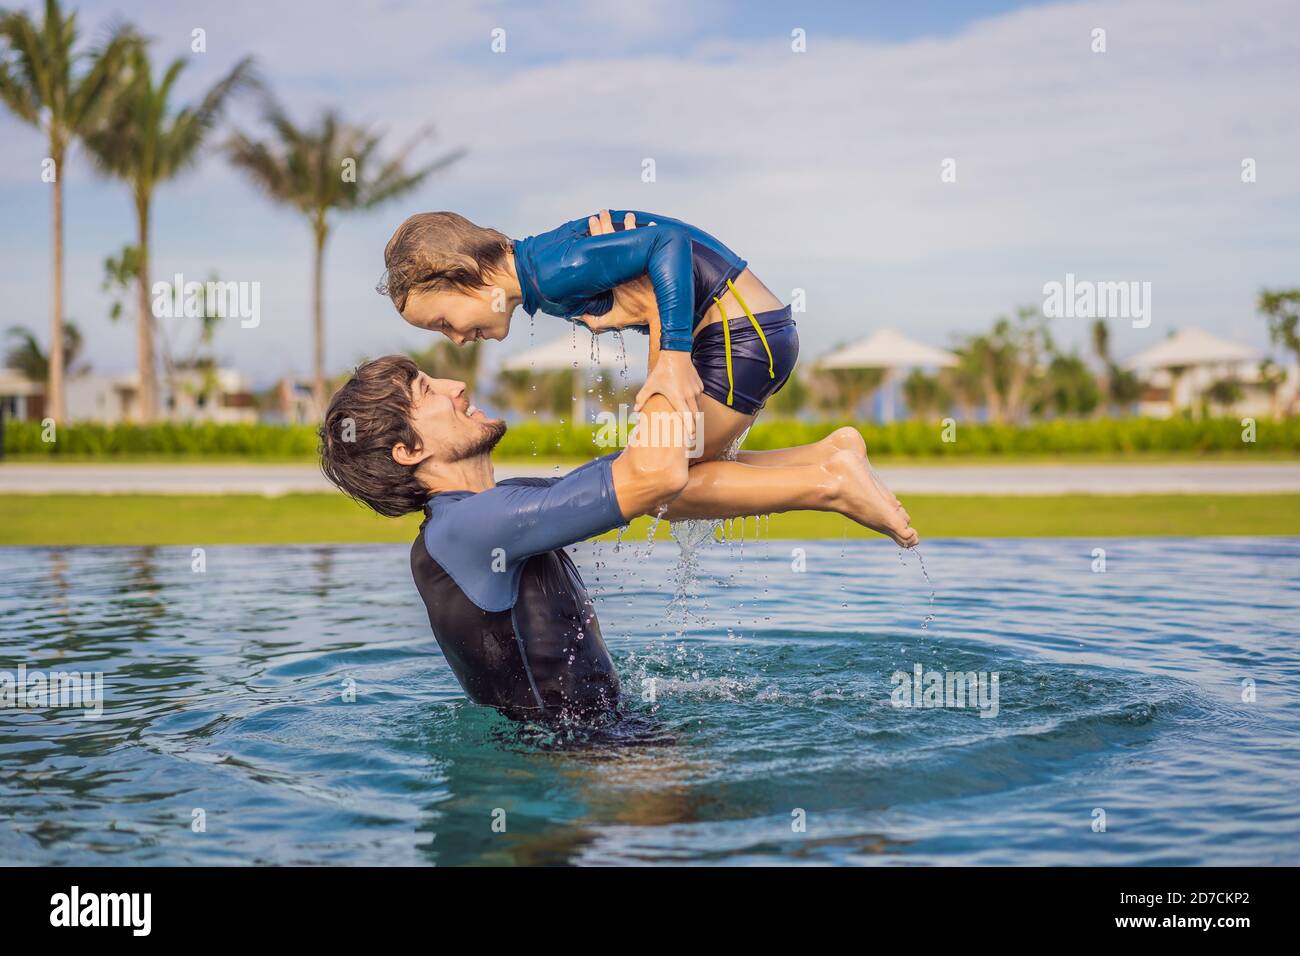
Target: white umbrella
{"points": [[888, 349], [562, 352], [1194, 351], [891, 351], [1189, 347]]}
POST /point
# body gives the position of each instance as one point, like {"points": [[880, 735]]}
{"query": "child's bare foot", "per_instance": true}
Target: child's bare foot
{"points": [[893, 499], [847, 438], [860, 496], [850, 439]]}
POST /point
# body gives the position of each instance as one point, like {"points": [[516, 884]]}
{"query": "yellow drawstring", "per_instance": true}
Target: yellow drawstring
{"points": [[726, 339], [771, 372], [726, 344]]}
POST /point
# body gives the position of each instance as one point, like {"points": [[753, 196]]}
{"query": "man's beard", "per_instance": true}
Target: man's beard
{"points": [[485, 443]]}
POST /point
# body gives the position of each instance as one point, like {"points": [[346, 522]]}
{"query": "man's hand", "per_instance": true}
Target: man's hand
{"points": [[672, 374], [674, 377], [650, 473]]}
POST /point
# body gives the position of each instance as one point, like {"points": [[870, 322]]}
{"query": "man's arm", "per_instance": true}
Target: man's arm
{"points": [[515, 520], [653, 469]]}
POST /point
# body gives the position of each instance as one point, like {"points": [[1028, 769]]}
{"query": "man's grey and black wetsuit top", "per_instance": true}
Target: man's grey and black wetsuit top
{"points": [[505, 601]]}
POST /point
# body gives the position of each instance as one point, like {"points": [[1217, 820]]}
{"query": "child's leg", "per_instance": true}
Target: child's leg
{"points": [[842, 439], [720, 427], [846, 438], [843, 483]]}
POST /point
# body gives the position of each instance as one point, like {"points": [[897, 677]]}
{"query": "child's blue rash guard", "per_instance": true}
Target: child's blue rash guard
{"points": [[507, 605], [569, 272]]}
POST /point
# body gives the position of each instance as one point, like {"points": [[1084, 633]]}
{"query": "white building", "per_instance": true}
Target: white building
{"points": [[20, 399], [291, 403], [218, 395], [100, 398], [1180, 370], [893, 352]]}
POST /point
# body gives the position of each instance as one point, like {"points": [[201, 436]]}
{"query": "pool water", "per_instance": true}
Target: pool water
{"points": [[289, 705]]}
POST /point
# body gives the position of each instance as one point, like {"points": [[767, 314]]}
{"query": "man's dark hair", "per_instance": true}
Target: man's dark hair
{"points": [[366, 417]]}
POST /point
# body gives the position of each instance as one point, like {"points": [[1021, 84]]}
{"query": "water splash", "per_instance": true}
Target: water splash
{"points": [[650, 535], [925, 624], [691, 536], [622, 354]]}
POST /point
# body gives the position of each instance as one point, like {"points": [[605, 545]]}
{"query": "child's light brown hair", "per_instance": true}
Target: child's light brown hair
{"points": [[440, 250]]}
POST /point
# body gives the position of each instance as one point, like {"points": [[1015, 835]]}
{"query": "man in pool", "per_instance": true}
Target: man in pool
{"points": [[506, 604]]}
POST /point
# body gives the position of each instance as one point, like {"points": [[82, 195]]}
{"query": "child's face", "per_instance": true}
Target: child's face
{"points": [[461, 316]]}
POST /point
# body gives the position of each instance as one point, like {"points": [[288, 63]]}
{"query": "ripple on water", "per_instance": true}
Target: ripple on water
{"points": [[296, 698]]}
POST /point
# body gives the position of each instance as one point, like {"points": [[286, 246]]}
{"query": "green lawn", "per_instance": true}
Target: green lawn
{"points": [[324, 518]]}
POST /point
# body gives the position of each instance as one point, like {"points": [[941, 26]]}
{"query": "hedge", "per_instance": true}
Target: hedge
{"points": [[920, 439], [1103, 435], [165, 440]]}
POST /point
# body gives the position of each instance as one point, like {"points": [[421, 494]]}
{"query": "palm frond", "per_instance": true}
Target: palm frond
{"points": [[24, 69], [91, 97], [26, 354], [142, 140], [394, 183], [303, 167]]}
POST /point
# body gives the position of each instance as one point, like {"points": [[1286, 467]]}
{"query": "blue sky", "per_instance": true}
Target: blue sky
{"points": [[821, 168]]}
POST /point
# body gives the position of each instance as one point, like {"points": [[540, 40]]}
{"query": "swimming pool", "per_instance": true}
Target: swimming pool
{"points": [[289, 705]]}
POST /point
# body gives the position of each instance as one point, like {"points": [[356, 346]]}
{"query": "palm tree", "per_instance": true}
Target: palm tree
{"points": [[316, 170], [1176, 373], [514, 390], [1224, 393], [979, 376], [1125, 388], [1119, 388], [843, 391], [27, 356], [1101, 349], [1281, 309], [1025, 343], [42, 83], [444, 359], [1271, 378], [926, 395], [145, 142], [794, 396], [1069, 387], [520, 390]]}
